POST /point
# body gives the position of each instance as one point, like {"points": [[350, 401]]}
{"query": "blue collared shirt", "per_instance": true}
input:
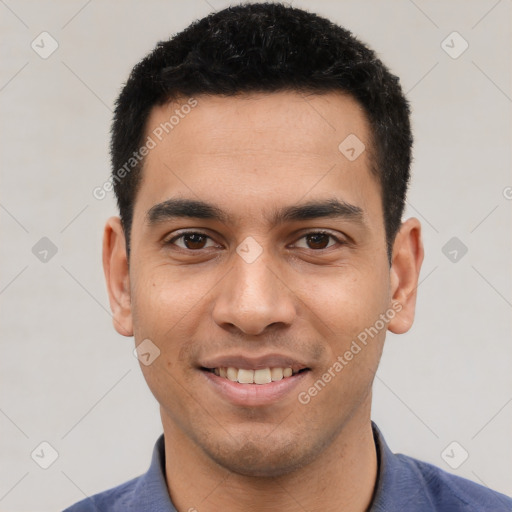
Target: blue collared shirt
{"points": [[403, 484]]}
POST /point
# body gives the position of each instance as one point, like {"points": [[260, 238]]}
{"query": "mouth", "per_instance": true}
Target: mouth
{"points": [[250, 381], [255, 376]]}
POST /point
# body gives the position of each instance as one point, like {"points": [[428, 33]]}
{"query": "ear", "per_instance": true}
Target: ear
{"points": [[405, 270], [117, 276]]}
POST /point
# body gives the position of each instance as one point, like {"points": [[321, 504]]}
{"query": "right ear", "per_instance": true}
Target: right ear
{"points": [[117, 276]]}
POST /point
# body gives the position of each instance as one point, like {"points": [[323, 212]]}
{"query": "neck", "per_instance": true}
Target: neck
{"points": [[342, 477]]}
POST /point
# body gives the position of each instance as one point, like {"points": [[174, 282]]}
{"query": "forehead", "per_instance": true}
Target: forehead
{"points": [[304, 122], [258, 150]]}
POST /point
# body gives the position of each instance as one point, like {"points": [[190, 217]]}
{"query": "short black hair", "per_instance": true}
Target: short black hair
{"points": [[266, 47]]}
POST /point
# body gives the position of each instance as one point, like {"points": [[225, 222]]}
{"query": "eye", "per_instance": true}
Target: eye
{"points": [[318, 240], [191, 240]]}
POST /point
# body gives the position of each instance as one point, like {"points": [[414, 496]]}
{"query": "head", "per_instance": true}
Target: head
{"points": [[261, 227]]}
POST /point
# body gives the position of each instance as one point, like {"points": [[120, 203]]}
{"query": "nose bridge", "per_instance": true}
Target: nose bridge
{"points": [[254, 282], [252, 296]]}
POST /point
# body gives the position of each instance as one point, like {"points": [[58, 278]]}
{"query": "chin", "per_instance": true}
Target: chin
{"points": [[264, 457]]}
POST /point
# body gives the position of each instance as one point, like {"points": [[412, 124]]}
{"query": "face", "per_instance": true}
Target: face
{"points": [[259, 246]]}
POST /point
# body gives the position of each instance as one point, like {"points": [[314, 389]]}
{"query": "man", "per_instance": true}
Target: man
{"points": [[260, 161]]}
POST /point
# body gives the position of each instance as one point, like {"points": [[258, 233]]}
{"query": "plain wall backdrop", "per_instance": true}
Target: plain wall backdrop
{"points": [[68, 379]]}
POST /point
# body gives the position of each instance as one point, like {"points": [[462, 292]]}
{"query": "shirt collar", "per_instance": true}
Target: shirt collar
{"points": [[150, 493], [397, 486]]}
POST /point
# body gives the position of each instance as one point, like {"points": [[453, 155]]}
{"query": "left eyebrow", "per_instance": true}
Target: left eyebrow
{"points": [[330, 208]]}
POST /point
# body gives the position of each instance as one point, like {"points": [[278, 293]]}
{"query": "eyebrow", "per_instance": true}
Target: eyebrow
{"points": [[189, 208]]}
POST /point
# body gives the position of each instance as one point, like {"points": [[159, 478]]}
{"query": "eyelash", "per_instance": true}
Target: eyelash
{"points": [[187, 233]]}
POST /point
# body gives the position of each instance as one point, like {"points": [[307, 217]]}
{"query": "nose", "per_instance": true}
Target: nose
{"points": [[252, 297]]}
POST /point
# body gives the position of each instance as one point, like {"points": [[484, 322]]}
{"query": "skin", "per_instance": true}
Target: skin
{"points": [[251, 155]]}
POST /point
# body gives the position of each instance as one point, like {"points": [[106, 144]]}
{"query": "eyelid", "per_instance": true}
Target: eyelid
{"points": [[177, 234]]}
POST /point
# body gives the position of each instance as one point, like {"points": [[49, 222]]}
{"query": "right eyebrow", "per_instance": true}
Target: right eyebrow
{"points": [[177, 208]]}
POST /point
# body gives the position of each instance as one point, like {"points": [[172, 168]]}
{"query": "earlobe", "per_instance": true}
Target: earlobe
{"points": [[404, 274], [115, 267]]}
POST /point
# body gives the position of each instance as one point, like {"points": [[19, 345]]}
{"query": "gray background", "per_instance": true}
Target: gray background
{"points": [[69, 379]]}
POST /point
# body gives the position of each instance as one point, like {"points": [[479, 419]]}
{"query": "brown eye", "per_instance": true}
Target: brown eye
{"points": [[194, 241], [191, 241], [317, 241]]}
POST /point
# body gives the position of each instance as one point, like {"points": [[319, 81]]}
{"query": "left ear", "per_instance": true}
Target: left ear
{"points": [[405, 270]]}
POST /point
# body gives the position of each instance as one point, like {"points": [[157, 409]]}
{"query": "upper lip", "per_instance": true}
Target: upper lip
{"points": [[254, 363]]}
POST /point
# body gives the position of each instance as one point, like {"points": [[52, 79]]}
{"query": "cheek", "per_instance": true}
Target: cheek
{"points": [[347, 301], [162, 297], [350, 304], [164, 308]]}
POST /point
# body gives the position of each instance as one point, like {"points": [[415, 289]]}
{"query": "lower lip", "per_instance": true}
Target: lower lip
{"points": [[253, 395]]}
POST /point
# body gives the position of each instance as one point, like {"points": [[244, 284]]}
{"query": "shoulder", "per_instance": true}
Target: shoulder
{"points": [[116, 499], [147, 492], [446, 491], [406, 483]]}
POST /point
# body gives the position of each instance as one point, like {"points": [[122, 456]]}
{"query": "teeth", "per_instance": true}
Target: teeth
{"points": [[261, 376], [246, 376], [232, 374], [276, 374]]}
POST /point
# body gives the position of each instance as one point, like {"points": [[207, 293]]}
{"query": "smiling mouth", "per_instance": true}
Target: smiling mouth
{"points": [[259, 376]]}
